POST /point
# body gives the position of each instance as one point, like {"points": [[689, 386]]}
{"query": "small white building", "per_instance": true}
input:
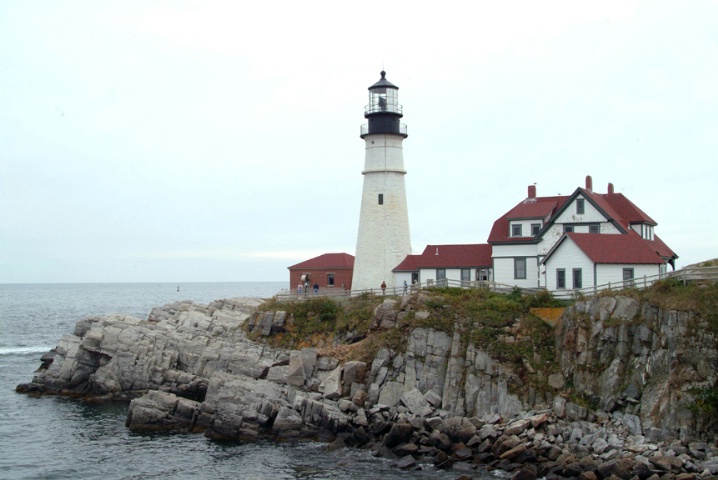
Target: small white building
{"points": [[438, 264], [585, 261]]}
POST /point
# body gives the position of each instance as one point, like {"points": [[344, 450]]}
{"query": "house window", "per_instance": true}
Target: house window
{"points": [[577, 278], [560, 278], [516, 230], [465, 274], [381, 199], [441, 276], [580, 206], [330, 279], [535, 229], [520, 268], [594, 229], [567, 228], [627, 277]]}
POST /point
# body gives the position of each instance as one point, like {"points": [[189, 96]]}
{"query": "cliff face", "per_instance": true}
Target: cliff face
{"points": [[620, 354], [613, 357]]}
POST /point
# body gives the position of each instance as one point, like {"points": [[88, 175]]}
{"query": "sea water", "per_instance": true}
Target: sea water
{"points": [[58, 438]]}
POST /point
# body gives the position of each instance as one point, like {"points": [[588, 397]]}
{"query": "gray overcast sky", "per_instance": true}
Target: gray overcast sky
{"points": [[219, 140]]}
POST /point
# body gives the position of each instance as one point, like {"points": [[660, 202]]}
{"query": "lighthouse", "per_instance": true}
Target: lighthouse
{"points": [[383, 240]]}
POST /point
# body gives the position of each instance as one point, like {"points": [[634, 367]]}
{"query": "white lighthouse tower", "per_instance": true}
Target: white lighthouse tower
{"points": [[383, 240]]}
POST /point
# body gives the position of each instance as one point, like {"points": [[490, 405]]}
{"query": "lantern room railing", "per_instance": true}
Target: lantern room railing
{"points": [[389, 108], [365, 130]]}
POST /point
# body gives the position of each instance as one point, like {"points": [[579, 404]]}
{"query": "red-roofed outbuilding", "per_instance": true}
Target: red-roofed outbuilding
{"points": [[330, 270]]}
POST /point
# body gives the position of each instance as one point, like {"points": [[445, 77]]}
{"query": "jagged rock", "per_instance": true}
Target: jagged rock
{"points": [[391, 393], [332, 385], [287, 424], [406, 463], [406, 449], [354, 372], [621, 468], [440, 440], [161, 411], [459, 429], [416, 403], [399, 433], [517, 427]]}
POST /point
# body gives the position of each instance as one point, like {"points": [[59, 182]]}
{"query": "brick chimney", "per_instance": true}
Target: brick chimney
{"points": [[532, 191], [610, 187], [589, 183]]}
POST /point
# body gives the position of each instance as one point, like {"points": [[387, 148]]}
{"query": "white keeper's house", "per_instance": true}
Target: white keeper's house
{"points": [[577, 241]]}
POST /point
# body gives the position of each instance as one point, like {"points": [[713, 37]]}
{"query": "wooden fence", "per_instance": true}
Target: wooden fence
{"points": [[685, 275]]}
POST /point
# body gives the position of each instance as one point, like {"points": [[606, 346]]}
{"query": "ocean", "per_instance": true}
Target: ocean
{"points": [[60, 438]]}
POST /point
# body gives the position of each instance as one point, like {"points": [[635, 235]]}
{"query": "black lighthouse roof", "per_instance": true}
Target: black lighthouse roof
{"points": [[383, 82]]}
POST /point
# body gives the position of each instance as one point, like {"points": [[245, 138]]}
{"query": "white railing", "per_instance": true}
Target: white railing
{"points": [[685, 275]]}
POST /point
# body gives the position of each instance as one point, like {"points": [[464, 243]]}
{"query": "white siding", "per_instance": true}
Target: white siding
{"points": [[523, 250], [644, 230], [549, 239], [525, 226], [613, 273], [590, 215], [504, 272], [568, 256], [503, 257], [400, 277]]}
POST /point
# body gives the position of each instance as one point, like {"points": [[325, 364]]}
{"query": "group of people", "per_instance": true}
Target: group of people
{"points": [[304, 287]]}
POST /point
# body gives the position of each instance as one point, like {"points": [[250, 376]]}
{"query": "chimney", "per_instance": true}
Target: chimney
{"points": [[532, 191], [610, 187], [589, 183]]}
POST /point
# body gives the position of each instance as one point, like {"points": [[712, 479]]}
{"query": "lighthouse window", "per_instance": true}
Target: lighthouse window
{"points": [[381, 199]]}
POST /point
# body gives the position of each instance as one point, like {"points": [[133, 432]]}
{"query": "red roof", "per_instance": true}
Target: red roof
{"points": [[327, 260], [408, 264], [614, 248], [661, 248], [614, 205], [539, 207], [448, 256]]}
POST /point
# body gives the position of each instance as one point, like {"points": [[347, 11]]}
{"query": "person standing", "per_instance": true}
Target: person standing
{"points": [[316, 288], [406, 287], [383, 288]]}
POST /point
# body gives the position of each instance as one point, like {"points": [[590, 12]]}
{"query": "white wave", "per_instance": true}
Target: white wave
{"points": [[23, 350]]}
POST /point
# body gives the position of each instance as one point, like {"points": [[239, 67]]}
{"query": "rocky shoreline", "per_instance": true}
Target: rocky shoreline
{"points": [[190, 367]]}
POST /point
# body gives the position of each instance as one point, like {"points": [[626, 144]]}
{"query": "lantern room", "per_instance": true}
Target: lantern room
{"points": [[383, 112]]}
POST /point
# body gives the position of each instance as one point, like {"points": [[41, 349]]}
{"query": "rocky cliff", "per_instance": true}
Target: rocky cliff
{"points": [[615, 383]]}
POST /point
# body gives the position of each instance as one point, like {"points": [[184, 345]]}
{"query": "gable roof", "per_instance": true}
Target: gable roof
{"points": [[617, 209], [627, 248], [448, 256], [327, 260]]}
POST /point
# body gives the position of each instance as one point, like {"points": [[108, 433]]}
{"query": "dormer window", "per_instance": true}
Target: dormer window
{"points": [[516, 230], [580, 206], [535, 229]]}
